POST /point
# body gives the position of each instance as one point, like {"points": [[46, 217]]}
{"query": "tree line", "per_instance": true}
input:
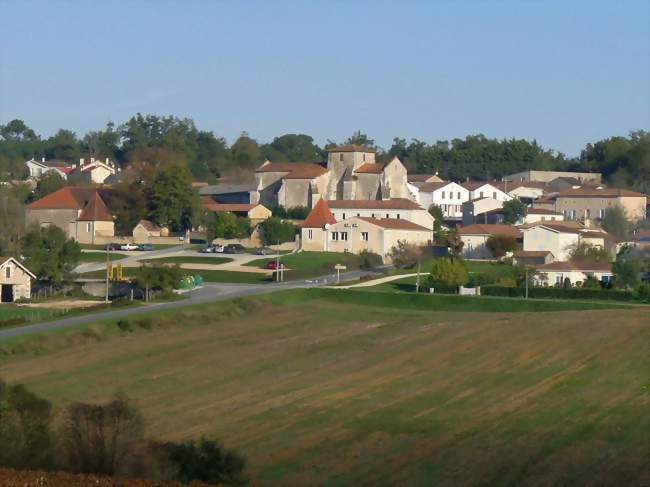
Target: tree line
{"points": [[624, 161]]}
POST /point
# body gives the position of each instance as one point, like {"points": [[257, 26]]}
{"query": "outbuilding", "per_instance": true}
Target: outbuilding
{"points": [[15, 280]]}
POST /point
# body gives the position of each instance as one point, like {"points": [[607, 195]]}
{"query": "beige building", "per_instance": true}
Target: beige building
{"points": [[396, 208], [474, 238], [554, 273], [321, 232], [535, 215], [145, 230], [560, 238], [256, 213], [593, 202], [548, 176], [15, 280], [80, 212]]}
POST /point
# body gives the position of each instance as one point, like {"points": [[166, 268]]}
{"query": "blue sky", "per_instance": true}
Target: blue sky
{"points": [[562, 72]]}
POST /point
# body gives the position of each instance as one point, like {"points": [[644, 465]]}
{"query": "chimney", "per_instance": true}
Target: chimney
{"points": [[107, 162]]}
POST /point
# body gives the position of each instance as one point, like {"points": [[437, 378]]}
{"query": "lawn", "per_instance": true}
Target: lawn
{"points": [[100, 256], [311, 264], [208, 276], [12, 315], [190, 260], [329, 392]]}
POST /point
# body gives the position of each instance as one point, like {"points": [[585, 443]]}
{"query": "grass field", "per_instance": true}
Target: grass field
{"points": [[311, 264], [208, 276], [103, 247], [317, 390], [100, 256], [190, 260], [11, 315]]}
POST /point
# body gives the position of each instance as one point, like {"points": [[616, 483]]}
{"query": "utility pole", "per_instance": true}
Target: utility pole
{"points": [[277, 262], [107, 264], [417, 281], [526, 282]]}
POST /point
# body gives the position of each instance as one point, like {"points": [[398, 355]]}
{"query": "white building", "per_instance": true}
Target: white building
{"points": [[474, 238], [555, 273], [449, 196], [38, 168], [535, 215], [560, 238], [96, 171], [396, 208], [484, 189]]}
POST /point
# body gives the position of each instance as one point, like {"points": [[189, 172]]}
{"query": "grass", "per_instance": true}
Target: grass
{"points": [[12, 315], [100, 256], [208, 275], [190, 260], [311, 264], [334, 392], [103, 247]]}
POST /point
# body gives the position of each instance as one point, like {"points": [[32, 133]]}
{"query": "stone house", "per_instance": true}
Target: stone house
{"points": [[145, 230], [79, 211], [256, 213], [593, 202], [15, 280]]}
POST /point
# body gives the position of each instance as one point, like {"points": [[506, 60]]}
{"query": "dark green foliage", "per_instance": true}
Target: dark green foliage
{"points": [[124, 325], [48, 183], [513, 211], [12, 216], [49, 254], [436, 212], [205, 461], [292, 148], [227, 225], [277, 231], [499, 245], [448, 273], [158, 277], [172, 200], [25, 429], [590, 253], [558, 293], [405, 255], [295, 213], [615, 223], [626, 271], [643, 293], [591, 283], [369, 260]]}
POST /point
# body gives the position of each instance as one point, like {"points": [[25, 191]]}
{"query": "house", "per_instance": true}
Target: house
{"points": [[81, 212], [548, 176], [525, 191], [256, 213], [560, 238], [593, 202], [449, 196], [322, 232], [38, 168], [96, 171], [423, 178], [482, 210], [474, 238], [535, 215], [486, 189], [533, 257], [15, 280], [395, 208], [146, 229], [555, 273]]}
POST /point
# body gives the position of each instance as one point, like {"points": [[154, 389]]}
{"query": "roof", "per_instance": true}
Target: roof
{"points": [[431, 187], [319, 216], [473, 185], [423, 178], [4, 260], [557, 226], [51, 163], [542, 211], [370, 168], [69, 197], [149, 225], [295, 170], [227, 188], [489, 229], [594, 192], [232, 207], [351, 148], [576, 266], [95, 210], [391, 204], [532, 253], [394, 223]]}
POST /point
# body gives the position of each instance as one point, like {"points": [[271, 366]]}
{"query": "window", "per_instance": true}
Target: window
{"points": [[343, 216], [341, 157], [443, 195], [310, 234], [335, 236], [494, 194], [601, 213], [459, 195], [8, 272], [559, 280], [373, 215], [398, 216], [387, 215], [481, 194], [88, 227], [358, 214], [364, 236], [344, 236]]}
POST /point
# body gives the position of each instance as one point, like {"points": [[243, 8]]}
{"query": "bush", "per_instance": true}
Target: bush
{"points": [[643, 293], [277, 231], [158, 277], [558, 293], [405, 254], [448, 273], [124, 325], [369, 260], [500, 245]]}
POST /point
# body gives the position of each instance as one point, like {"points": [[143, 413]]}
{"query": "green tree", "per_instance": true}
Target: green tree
{"points": [[436, 212], [50, 254], [277, 231], [12, 216], [405, 254], [448, 272], [158, 277], [590, 253], [172, 200], [513, 211], [246, 153], [227, 225], [292, 148], [63, 145], [128, 203], [615, 223], [48, 183], [500, 245], [626, 271]]}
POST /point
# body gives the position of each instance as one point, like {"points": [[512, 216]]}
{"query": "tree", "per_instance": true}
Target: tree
{"points": [[292, 148], [158, 277], [359, 138], [50, 254], [227, 225], [454, 243], [246, 152], [48, 183], [615, 223], [448, 272], [99, 438], [172, 200], [583, 251], [405, 254], [277, 231], [205, 461], [17, 130], [63, 145], [626, 272], [500, 245], [513, 211], [12, 216], [436, 212], [128, 203]]}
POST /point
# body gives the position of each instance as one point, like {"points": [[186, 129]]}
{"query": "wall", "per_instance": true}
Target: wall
{"points": [[20, 280], [316, 243], [489, 191], [474, 247], [534, 218], [294, 192], [61, 218], [420, 217], [448, 199], [546, 176], [554, 277], [634, 207], [558, 244]]}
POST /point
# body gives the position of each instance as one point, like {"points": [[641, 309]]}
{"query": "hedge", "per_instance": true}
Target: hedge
{"points": [[558, 293]]}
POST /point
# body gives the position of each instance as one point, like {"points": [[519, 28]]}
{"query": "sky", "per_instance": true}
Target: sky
{"points": [[564, 73]]}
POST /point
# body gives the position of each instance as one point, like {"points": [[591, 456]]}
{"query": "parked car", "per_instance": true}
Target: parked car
{"points": [[146, 247], [129, 246], [114, 246], [218, 249], [274, 265], [207, 250], [264, 251], [234, 249]]}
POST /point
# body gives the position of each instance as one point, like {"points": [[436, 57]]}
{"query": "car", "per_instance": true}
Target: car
{"points": [[274, 265], [234, 249], [129, 246], [207, 250], [114, 246], [218, 249], [264, 251], [146, 247]]}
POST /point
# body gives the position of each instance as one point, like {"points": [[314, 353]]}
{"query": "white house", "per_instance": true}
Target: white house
{"points": [[395, 208], [449, 196], [15, 280], [96, 171], [484, 189], [535, 215], [554, 273], [38, 168], [560, 238]]}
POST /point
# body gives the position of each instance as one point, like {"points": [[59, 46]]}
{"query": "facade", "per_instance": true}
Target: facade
{"points": [[229, 192], [80, 212], [535, 215], [475, 236], [560, 238], [256, 213], [448, 196], [397, 208], [548, 176], [482, 210], [15, 280], [145, 230], [94, 172], [593, 202], [38, 168], [484, 189], [526, 191], [555, 273], [533, 257]]}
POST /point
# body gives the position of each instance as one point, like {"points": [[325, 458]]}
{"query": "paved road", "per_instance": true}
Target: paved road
{"points": [[210, 292]]}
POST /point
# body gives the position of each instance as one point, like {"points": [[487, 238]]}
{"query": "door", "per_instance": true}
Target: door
{"points": [[7, 293]]}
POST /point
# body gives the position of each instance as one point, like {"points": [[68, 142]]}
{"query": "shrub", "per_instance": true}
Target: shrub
{"points": [[500, 245], [558, 293], [369, 260], [643, 293], [448, 273], [124, 325], [277, 231], [405, 254]]}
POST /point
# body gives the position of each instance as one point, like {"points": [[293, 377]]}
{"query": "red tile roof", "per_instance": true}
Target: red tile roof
{"points": [[423, 178], [489, 229], [351, 148], [370, 168], [391, 204], [394, 223], [69, 197], [576, 266], [95, 210], [594, 192], [319, 216]]}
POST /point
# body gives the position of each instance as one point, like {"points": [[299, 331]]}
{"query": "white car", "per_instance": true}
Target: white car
{"points": [[129, 246], [217, 249]]}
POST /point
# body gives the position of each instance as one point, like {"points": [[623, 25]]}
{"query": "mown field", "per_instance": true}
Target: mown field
{"points": [[317, 388]]}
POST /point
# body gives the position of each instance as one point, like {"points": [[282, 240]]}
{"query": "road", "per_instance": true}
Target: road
{"points": [[210, 292]]}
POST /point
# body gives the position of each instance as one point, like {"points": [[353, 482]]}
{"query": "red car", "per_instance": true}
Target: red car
{"points": [[273, 265]]}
